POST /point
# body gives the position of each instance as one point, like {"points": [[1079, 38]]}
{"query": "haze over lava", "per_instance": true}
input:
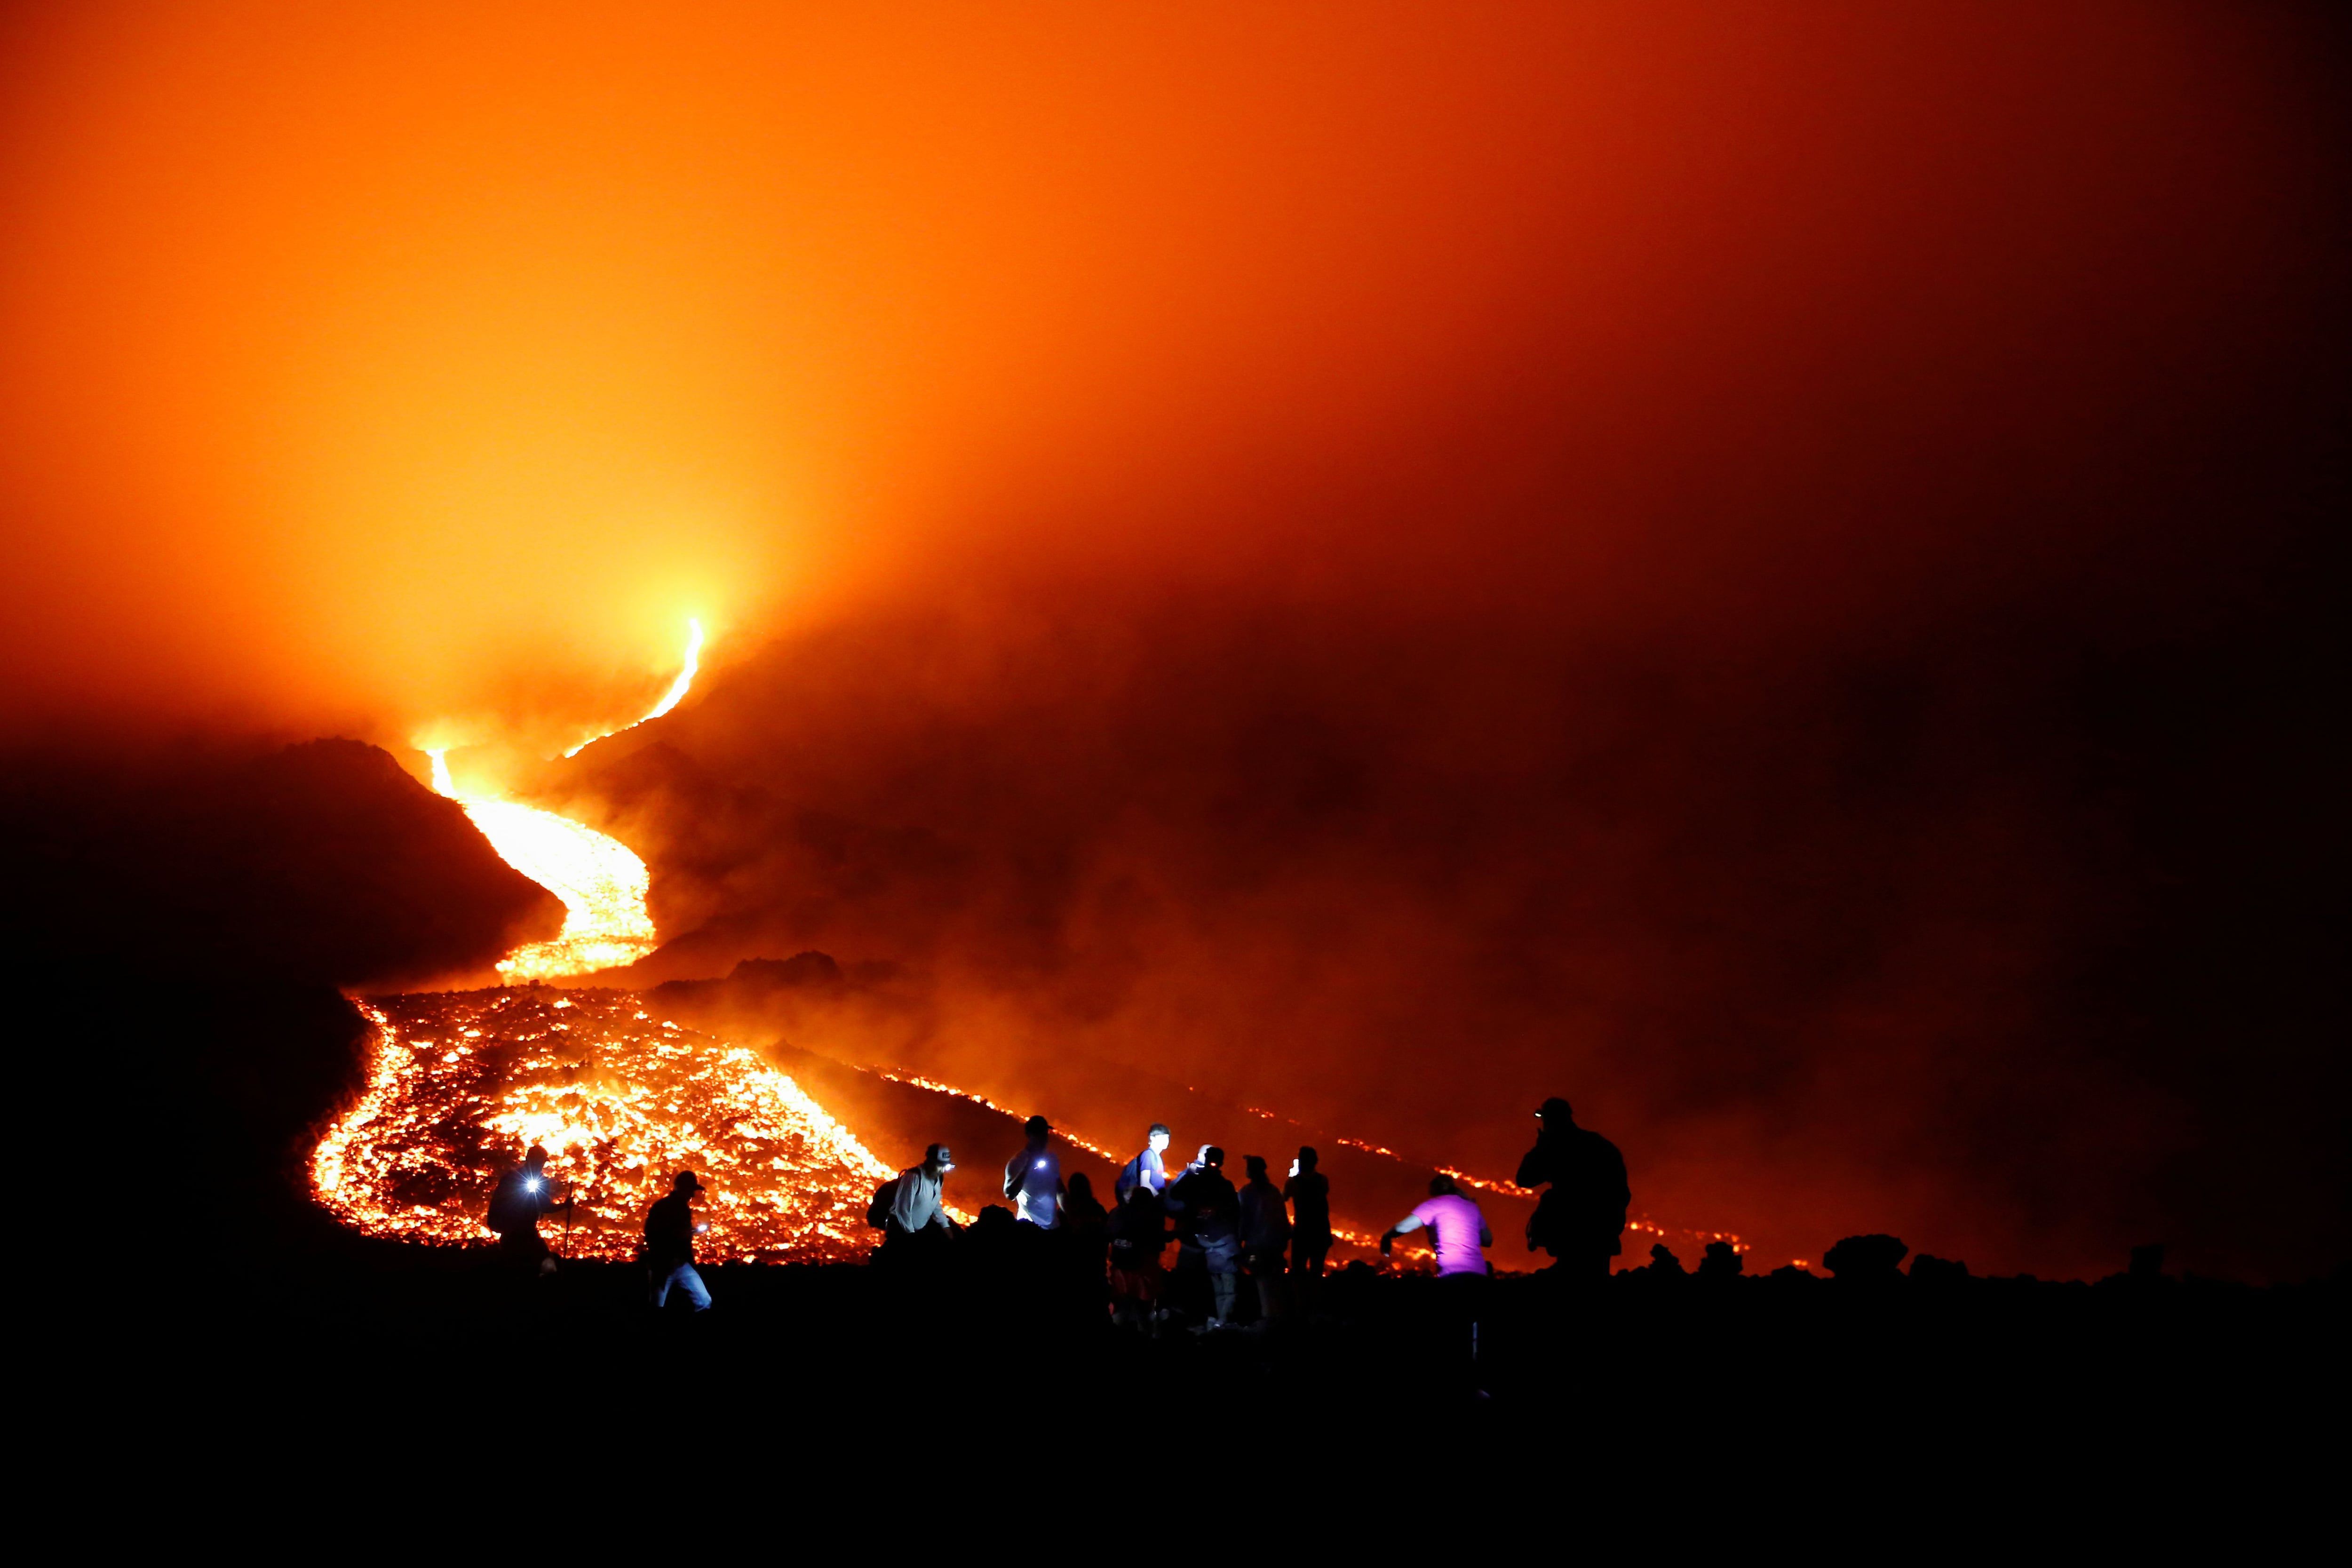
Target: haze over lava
{"points": [[1761, 569]]}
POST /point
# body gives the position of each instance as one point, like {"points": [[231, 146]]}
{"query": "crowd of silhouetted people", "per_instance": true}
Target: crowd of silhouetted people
{"points": [[1276, 1238], [1255, 1251]]}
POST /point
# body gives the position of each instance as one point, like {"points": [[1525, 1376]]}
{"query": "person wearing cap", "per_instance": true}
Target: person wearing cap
{"points": [[669, 1244], [1581, 1220], [1147, 1169], [1033, 1178], [918, 1213], [522, 1195]]}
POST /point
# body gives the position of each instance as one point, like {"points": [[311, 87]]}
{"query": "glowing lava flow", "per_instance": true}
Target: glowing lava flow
{"points": [[601, 880], [462, 1083], [671, 698]]}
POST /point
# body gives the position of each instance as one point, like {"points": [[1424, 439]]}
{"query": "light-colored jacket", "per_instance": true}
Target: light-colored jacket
{"points": [[919, 1200]]}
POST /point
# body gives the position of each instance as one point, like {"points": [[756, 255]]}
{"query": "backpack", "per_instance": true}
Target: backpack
{"points": [[886, 1198]]}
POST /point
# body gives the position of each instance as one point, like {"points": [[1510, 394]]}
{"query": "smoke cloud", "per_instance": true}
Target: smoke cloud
{"points": [[1755, 569]]}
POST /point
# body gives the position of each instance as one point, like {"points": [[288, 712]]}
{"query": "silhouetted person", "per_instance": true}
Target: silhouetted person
{"points": [[1084, 1226], [1265, 1231], [1033, 1178], [669, 1244], [1308, 1192], [1458, 1235], [918, 1219], [1147, 1169], [1721, 1262], [522, 1195], [1581, 1221], [1207, 1212], [1139, 1236]]}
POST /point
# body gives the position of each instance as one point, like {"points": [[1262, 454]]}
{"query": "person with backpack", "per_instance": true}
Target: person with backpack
{"points": [[670, 1228], [911, 1208], [1207, 1212], [1147, 1169], [1580, 1219], [522, 1195]]}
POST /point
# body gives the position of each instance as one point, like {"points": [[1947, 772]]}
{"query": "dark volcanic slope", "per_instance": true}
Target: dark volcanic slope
{"points": [[185, 917], [322, 861]]}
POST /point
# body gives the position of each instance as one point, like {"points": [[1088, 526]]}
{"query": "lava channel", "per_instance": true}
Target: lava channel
{"points": [[461, 1083]]}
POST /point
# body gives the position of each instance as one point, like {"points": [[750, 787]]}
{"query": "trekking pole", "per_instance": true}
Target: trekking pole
{"points": [[567, 1224]]}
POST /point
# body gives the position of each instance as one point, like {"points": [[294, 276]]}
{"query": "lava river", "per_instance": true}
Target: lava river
{"points": [[461, 1083]]}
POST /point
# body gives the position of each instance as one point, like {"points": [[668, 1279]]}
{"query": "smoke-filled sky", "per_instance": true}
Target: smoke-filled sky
{"points": [[1743, 534]]}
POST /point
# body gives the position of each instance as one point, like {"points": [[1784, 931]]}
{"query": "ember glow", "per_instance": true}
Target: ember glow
{"points": [[462, 1083]]}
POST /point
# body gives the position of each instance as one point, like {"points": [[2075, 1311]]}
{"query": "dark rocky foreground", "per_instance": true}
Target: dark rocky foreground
{"points": [[1652, 1374]]}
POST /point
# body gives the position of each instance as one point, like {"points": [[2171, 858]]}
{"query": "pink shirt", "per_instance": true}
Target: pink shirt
{"points": [[1453, 1223]]}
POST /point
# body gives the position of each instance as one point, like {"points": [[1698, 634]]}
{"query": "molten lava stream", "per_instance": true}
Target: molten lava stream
{"points": [[602, 882], [462, 1083]]}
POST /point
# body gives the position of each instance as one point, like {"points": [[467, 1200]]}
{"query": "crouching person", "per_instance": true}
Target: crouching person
{"points": [[669, 1244], [917, 1223]]}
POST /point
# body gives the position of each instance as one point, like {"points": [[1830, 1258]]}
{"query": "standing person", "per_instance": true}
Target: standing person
{"points": [[1208, 1221], [1308, 1192], [1085, 1237], [669, 1244], [1458, 1235], [918, 1218], [1265, 1231], [1147, 1169], [1581, 1221], [1082, 1213], [1139, 1236], [1033, 1178], [522, 1195]]}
